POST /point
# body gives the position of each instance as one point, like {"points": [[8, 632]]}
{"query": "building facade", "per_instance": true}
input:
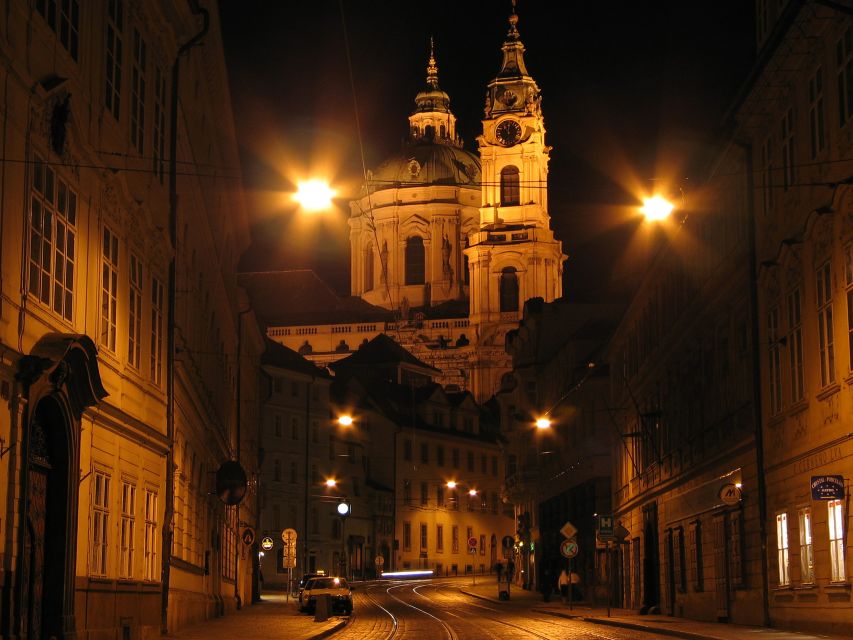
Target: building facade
{"points": [[110, 524], [795, 117]]}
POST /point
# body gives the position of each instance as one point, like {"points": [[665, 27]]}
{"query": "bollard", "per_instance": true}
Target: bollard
{"points": [[321, 608]]}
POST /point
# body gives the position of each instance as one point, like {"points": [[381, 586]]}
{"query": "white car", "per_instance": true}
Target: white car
{"points": [[339, 592]]}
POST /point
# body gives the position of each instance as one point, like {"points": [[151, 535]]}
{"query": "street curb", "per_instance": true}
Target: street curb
{"points": [[330, 631], [664, 631]]}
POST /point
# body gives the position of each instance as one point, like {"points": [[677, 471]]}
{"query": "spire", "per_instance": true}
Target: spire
{"points": [[513, 50], [512, 34], [432, 68]]}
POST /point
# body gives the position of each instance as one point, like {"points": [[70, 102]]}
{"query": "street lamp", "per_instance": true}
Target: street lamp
{"points": [[345, 420], [543, 423], [656, 208], [331, 483], [314, 195]]}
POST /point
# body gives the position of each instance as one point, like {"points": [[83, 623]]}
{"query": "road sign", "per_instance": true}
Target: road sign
{"points": [[605, 528], [569, 530], [288, 562], [248, 536], [267, 543], [507, 542], [379, 561], [569, 548], [288, 536], [730, 493], [472, 542]]}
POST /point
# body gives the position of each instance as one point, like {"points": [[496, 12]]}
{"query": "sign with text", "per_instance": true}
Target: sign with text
{"points": [[827, 487], [605, 527]]}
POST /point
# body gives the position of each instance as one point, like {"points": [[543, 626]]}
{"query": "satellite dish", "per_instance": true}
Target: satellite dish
{"points": [[231, 482]]}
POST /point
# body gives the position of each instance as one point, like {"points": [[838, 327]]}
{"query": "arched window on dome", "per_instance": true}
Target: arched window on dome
{"points": [[443, 131], [368, 268], [415, 264], [509, 187], [429, 132], [509, 289]]}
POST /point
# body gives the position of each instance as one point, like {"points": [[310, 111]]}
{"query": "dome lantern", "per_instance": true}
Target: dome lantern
{"points": [[432, 120]]}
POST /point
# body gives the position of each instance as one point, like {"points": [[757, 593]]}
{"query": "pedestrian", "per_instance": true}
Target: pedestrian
{"points": [[546, 585], [510, 570], [576, 593], [499, 569], [563, 583]]}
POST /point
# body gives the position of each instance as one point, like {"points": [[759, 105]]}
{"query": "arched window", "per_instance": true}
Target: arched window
{"points": [[368, 268], [415, 268], [443, 131], [509, 289], [509, 186]]}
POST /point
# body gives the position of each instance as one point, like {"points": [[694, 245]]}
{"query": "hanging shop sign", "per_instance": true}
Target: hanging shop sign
{"points": [[827, 487]]}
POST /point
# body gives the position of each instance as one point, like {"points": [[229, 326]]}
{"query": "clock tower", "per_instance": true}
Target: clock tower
{"points": [[513, 256]]}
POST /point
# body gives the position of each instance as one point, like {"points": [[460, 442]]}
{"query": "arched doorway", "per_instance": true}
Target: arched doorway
{"points": [[60, 379]]}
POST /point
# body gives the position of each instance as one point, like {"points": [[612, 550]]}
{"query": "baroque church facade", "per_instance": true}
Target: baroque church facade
{"points": [[446, 244]]}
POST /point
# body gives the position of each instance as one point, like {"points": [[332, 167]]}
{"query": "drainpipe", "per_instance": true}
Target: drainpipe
{"points": [[756, 386], [239, 400], [169, 498]]}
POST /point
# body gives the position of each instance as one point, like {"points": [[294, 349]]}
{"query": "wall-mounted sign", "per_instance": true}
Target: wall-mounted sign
{"points": [[827, 487], [248, 536], [730, 493], [266, 543], [231, 482]]}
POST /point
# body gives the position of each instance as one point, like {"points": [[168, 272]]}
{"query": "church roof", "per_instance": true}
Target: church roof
{"points": [[381, 350], [300, 297], [428, 163]]}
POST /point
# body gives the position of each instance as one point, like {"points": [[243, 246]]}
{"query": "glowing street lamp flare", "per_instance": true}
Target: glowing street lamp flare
{"points": [[451, 484], [656, 208], [314, 195], [472, 492], [345, 421], [543, 423], [331, 482]]}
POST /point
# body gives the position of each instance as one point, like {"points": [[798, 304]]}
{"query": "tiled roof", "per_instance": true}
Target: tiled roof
{"points": [[277, 355]]}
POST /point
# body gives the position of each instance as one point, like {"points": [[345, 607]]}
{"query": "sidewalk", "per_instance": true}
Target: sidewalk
{"points": [[272, 617], [628, 619]]}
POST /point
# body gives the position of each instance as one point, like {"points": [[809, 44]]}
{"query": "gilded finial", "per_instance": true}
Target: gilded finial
{"points": [[513, 20], [432, 68]]}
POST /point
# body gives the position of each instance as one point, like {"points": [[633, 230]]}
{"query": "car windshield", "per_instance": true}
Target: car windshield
{"points": [[327, 583]]}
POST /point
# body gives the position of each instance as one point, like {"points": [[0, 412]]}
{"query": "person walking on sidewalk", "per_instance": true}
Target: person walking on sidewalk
{"points": [[563, 583]]}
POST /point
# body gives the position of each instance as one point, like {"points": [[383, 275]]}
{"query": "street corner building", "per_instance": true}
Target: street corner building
{"points": [[121, 333]]}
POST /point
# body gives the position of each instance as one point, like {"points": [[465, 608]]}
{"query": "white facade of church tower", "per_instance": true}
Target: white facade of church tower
{"points": [[513, 256]]}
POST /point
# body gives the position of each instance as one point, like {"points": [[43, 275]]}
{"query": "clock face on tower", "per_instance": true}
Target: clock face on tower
{"points": [[508, 132]]}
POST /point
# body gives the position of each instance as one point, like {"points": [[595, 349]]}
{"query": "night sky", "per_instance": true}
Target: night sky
{"points": [[631, 93]]}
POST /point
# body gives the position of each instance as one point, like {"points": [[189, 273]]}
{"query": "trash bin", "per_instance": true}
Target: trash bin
{"points": [[321, 608]]}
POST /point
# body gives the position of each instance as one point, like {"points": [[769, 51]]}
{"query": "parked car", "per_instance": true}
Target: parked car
{"points": [[304, 580], [339, 592]]}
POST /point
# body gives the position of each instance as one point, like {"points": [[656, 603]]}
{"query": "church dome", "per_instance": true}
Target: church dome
{"points": [[428, 163]]}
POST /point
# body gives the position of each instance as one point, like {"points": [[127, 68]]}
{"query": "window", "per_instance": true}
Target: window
{"points": [[495, 502], [767, 173], [470, 460], [509, 289], [782, 547], [109, 289], [158, 138], [277, 425], [424, 452], [137, 103], [294, 428], [53, 216], [806, 548], [678, 573], [836, 540], [424, 494], [293, 473], [100, 523], [368, 268], [415, 264], [795, 346], [276, 474], [439, 495], [63, 17], [229, 542], [735, 540], [424, 539], [494, 466], [694, 542], [407, 450], [824, 321], [788, 154], [817, 128], [454, 538], [439, 455], [134, 313], [151, 569], [407, 492], [848, 281], [128, 522], [115, 25], [157, 292], [439, 538], [774, 357], [844, 64], [407, 536], [482, 544], [484, 465], [509, 187], [455, 458]]}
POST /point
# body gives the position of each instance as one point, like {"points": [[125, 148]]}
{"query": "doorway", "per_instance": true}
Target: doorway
{"points": [[651, 558]]}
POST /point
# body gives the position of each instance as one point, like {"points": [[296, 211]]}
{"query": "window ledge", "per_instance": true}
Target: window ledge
{"points": [[829, 391], [798, 407], [809, 586], [783, 587], [838, 585]]}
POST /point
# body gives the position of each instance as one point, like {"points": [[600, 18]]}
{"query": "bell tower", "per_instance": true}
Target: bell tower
{"points": [[513, 256]]}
